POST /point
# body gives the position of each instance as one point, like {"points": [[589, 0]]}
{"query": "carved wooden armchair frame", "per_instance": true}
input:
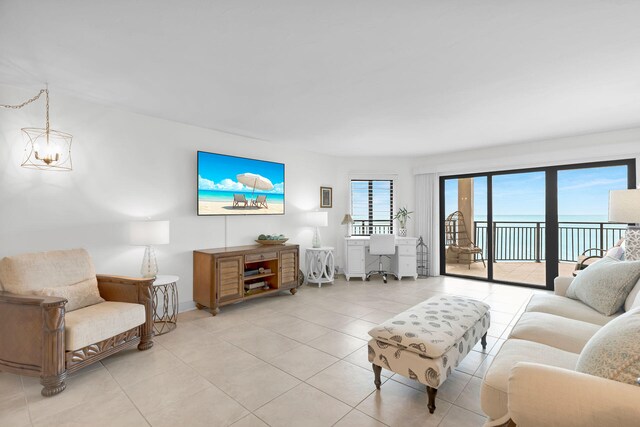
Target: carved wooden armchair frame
{"points": [[33, 337]]}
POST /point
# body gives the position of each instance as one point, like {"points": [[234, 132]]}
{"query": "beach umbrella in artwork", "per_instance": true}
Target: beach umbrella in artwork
{"points": [[255, 181]]}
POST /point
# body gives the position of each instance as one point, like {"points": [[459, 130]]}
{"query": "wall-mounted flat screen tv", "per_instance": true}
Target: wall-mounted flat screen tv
{"points": [[229, 185]]}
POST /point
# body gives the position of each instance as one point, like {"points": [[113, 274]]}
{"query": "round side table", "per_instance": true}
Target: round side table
{"points": [[165, 304], [320, 265]]}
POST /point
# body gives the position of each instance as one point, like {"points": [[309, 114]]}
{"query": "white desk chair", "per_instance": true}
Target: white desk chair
{"points": [[382, 245]]}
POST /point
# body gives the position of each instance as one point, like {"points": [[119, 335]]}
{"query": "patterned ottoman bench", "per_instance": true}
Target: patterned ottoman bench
{"points": [[428, 340]]}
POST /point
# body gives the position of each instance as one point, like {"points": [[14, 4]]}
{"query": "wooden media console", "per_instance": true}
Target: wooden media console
{"points": [[220, 275]]}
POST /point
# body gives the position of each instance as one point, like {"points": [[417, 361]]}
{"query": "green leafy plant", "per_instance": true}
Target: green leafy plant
{"points": [[402, 216]]}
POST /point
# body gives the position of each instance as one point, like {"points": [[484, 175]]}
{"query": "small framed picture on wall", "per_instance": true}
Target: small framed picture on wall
{"points": [[326, 197]]}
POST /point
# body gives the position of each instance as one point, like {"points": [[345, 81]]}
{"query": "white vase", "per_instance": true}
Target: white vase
{"points": [[402, 232]]}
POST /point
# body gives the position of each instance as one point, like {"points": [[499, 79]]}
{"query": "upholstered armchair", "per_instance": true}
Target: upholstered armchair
{"points": [[57, 316]]}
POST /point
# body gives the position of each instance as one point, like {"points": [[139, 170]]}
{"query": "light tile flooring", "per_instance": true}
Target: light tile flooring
{"points": [[278, 361]]}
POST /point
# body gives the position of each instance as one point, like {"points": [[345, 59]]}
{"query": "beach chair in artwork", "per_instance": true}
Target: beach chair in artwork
{"points": [[240, 201], [459, 245], [260, 201]]}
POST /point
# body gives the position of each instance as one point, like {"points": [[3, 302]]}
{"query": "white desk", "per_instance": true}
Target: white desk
{"points": [[403, 263]]}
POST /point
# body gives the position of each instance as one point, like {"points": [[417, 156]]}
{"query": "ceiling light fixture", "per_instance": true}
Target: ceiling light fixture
{"points": [[45, 149]]}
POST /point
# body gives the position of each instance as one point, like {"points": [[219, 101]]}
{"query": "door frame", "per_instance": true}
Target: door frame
{"points": [[551, 214]]}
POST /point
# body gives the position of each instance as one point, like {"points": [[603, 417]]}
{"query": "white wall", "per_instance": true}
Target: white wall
{"points": [[129, 166], [622, 144], [398, 169]]}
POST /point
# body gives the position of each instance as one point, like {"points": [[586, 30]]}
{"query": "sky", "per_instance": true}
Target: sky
{"points": [[218, 172], [360, 200], [580, 192]]}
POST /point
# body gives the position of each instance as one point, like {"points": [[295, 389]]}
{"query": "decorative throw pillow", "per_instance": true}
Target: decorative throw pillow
{"points": [[616, 252], [604, 286], [614, 351], [79, 295]]}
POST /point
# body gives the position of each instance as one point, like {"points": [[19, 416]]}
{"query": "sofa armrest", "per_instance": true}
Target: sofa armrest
{"points": [[132, 290], [124, 289], [561, 284], [542, 395], [28, 300], [32, 337]]}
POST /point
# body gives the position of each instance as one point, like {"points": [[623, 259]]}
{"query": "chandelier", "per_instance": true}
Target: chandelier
{"points": [[45, 149]]}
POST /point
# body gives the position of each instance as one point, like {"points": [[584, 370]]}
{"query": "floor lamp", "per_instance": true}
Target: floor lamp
{"points": [[624, 206]]}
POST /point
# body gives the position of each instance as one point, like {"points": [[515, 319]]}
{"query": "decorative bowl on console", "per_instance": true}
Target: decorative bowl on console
{"points": [[271, 240]]}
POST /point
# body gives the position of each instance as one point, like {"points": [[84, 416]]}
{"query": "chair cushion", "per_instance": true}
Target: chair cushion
{"points": [[26, 273], [605, 285], [98, 322], [567, 307], [614, 351], [493, 393], [555, 331], [79, 295]]}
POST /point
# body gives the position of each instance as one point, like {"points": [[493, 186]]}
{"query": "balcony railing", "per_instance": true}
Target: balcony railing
{"points": [[525, 241], [364, 227]]}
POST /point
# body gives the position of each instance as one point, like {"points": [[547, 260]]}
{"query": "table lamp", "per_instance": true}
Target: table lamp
{"points": [[317, 219], [348, 221], [149, 233], [624, 206]]}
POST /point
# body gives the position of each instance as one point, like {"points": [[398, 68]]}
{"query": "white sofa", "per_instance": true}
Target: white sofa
{"points": [[532, 380]]}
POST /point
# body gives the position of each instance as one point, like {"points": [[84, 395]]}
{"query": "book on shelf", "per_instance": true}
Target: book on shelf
{"points": [[249, 273], [256, 290], [255, 285]]}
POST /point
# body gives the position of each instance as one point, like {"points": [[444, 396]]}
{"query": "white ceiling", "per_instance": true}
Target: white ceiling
{"points": [[343, 77]]}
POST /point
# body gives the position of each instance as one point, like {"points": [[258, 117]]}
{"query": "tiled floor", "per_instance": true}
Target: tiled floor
{"points": [[279, 361]]}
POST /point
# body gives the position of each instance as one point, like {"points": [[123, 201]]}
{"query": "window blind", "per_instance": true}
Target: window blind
{"points": [[372, 207]]}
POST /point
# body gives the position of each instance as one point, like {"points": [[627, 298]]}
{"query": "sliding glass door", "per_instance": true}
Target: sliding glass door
{"points": [[583, 201], [519, 219], [466, 226], [527, 226]]}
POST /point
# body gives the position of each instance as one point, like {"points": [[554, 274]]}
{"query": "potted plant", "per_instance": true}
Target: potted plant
{"points": [[402, 216]]}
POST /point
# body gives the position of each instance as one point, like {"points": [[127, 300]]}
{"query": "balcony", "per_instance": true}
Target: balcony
{"points": [[365, 227], [519, 248]]}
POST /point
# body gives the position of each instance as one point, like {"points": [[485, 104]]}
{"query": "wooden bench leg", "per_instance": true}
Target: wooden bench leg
{"points": [[431, 392], [484, 341], [377, 370]]}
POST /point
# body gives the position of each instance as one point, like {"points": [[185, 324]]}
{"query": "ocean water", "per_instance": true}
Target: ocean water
{"points": [[516, 236], [541, 218], [227, 196]]}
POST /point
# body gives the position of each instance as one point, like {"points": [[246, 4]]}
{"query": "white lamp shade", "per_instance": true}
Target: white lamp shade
{"points": [[318, 219], [624, 206], [144, 233]]}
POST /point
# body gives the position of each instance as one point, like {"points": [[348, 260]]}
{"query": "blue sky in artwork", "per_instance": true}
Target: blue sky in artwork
{"points": [[581, 192], [218, 172]]}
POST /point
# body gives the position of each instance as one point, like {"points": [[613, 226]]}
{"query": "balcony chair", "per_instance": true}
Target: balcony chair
{"points": [[382, 245], [458, 242], [240, 199], [57, 316], [592, 255]]}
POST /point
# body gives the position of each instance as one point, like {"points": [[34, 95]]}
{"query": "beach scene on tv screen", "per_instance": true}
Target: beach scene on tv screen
{"points": [[230, 185]]}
